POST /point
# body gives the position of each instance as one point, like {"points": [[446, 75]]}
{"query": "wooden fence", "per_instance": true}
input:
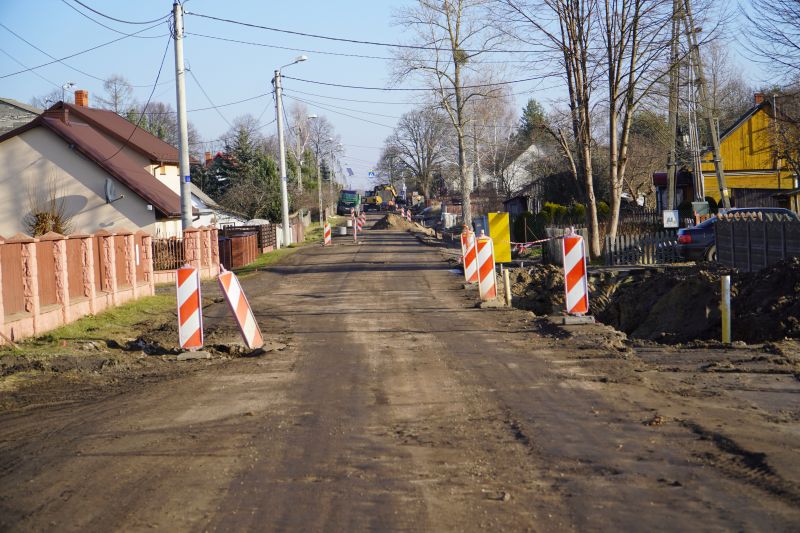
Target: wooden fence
{"points": [[750, 243], [55, 279], [238, 250], [265, 234]]}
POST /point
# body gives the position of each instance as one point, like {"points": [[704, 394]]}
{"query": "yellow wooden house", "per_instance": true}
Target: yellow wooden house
{"points": [[755, 177]]}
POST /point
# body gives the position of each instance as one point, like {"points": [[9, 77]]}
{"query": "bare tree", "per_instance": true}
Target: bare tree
{"points": [[636, 36], [417, 145], [118, 95], [449, 35], [322, 139], [299, 136], [773, 33], [46, 100], [565, 29]]}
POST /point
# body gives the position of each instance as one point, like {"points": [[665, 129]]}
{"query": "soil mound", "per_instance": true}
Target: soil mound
{"points": [[395, 222], [676, 305]]}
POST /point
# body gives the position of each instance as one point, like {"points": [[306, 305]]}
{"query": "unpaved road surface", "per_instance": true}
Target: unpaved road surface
{"points": [[399, 405]]}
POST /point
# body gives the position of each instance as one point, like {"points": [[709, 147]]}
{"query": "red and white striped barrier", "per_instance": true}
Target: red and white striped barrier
{"points": [[190, 312], [575, 284], [408, 215], [487, 285], [469, 256], [241, 310], [326, 235], [355, 224]]}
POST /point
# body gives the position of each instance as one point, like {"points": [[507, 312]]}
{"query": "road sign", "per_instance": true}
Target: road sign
{"points": [[500, 233], [370, 174], [671, 218]]}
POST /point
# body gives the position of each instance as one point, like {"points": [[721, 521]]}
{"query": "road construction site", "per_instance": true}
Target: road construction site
{"points": [[385, 398]]}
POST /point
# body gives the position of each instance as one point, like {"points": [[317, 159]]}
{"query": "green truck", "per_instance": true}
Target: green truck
{"points": [[348, 200]]}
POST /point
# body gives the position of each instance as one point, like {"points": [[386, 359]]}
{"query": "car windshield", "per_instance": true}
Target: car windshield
{"points": [[348, 196]]}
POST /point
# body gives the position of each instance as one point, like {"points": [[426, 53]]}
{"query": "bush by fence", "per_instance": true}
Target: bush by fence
{"points": [[56, 279]]}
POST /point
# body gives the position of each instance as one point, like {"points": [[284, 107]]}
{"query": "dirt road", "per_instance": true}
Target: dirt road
{"points": [[398, 405]]}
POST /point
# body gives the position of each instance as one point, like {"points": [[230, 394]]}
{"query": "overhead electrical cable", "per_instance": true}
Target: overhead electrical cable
{"points": [[62, 59], [339, 112], [361, 87], [227, 137], [353, 41], [348, 109], [329, 53], [141, 116], [20, 63], [121, 20], [81, 13], [216, 108]]}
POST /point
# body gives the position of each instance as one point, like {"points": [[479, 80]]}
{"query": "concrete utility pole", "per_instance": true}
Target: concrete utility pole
{"points": [[183, 130], [282, 148], [282, 151]]}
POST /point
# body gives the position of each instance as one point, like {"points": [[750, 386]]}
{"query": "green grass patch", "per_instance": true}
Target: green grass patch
{"points": [[117, 322], [113, 324]]}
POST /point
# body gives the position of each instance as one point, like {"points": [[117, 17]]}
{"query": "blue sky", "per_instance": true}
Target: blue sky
{"points": [[227, 71]]}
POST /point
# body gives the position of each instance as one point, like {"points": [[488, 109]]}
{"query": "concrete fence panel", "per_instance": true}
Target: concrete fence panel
{"points": [[55, 279]]}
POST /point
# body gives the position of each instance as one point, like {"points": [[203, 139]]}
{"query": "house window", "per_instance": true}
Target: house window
{"points": [[163, 169]]}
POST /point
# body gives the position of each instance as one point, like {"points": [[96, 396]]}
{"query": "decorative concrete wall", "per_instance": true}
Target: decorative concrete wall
{"points": [[36, 295]]}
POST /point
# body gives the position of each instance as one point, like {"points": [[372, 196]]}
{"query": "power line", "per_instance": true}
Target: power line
{"points": [[479, 86], [339, 112], [61, 60], [208, 98], [81, 13], [121, 20], [153, 90], [329, 53], [20, 63], [346, 99], [349, 109], [231, 136], [353, 41]]}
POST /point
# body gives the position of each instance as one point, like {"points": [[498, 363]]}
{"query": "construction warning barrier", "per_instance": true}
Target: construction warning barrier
{"points": [[487, 284], [190, 312], [240, 307], [469, 256], [408, 215], [326, 234], [575, 284]]}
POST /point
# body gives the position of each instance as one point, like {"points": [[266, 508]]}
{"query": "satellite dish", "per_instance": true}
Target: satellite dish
{"points": [[111, 192]]}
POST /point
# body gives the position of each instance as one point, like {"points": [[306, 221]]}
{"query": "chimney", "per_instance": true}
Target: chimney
{"points": [[82, 98], [209, 159], [758, 98], [61, 113]]}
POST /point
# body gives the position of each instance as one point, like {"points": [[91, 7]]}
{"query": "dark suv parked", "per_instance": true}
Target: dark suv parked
{"points": [[697, 242]]}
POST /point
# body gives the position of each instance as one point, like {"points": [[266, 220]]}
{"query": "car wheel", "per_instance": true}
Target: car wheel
{"points": [[711, 253]]}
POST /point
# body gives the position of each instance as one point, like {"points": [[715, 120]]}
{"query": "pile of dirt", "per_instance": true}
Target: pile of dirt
{"points": [[391, 221], [676, 305], [396, 222]]}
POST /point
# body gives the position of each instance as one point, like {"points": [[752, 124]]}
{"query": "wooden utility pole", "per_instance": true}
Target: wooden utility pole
{"points": [[705, 103], [672, 122]]}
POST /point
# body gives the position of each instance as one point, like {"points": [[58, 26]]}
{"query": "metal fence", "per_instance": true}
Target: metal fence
{"points": [[750, 243], [168, 253], [642, 249]]}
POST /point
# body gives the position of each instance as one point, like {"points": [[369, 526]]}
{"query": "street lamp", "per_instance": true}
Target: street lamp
{"points": [[281, 146], [65, 88]]}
